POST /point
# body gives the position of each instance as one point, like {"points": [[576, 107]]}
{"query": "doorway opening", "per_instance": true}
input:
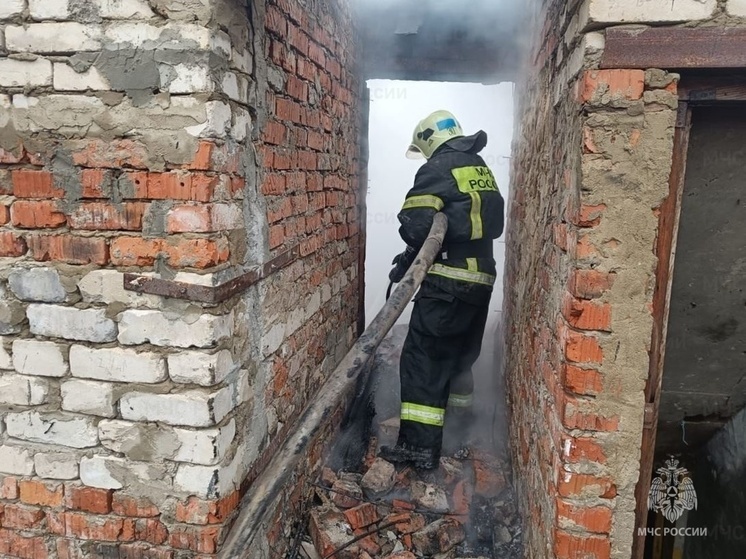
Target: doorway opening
{"points": [[701, 422]]}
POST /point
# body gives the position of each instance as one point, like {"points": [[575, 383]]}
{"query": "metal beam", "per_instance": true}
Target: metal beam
{"points": [[675, 48], [270, 483]]}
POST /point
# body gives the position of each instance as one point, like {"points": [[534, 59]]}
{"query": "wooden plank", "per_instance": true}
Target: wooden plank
{"points": [[675, 48], [668, 227]]}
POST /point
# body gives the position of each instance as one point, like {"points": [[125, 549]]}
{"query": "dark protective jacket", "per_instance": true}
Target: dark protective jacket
{"points": [[457, 181]]}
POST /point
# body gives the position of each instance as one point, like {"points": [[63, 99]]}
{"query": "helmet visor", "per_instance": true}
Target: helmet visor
{"points": [[413, 152]]}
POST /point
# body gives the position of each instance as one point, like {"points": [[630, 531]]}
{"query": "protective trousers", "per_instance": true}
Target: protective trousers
{"points": [[444, 341]]}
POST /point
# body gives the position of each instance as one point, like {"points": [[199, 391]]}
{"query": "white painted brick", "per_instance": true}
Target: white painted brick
{"points": [[226, 217], [21, 390], [95, 471], [42, 285], [32, 357], [646, 11], [109, 472], [736, 7], [67, 79], [124, 9], [25, 73], [117, 365], [68, 37], [195, 367], [209, 482], [6, 361], [89, 325], [149, 442], [186, 78], [173, 35], [11, 8], [61, 429], [90, 397], [243, 61], [16, 460], [56, 466], [107, 286], [241, 125], [192, 408], [141, 326], [217, 122], [42, 10]]}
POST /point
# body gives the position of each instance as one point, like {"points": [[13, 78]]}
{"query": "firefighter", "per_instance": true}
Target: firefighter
{"points": [[450, 308]]}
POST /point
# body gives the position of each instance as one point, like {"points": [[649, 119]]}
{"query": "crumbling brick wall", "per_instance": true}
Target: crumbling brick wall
{"points": [[593, 155], [187, 140]]}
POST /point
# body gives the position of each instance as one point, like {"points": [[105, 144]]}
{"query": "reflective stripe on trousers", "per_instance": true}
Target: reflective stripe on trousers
{"points": [[426, 415]]}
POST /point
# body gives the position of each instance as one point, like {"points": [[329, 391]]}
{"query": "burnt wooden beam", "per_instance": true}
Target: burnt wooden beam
{"points": [[675, 48], [209, 294]]}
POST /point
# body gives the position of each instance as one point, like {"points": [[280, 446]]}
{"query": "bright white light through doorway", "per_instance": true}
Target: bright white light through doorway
{"points": [[395, 108]]}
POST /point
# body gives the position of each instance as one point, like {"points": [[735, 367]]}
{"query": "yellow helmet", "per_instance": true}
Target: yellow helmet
{"points": [[432, 132]]}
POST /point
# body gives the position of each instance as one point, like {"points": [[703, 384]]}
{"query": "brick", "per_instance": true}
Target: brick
{"points": [[93, 398], [25, 73], [191, 409], [117, 365], [143, 551], [8, 488], [70, 249], [69, 430], [362, 516], [581, 449], [583, 485], [37, 284], [14, 544], [583, 349], [15, 460], [11, 244], [203, 157], [586, 315], [44, 493], [180, 185], [151, 530], [125, 505], [125, 216], [602, 86], [199, 512], [596, 520], [203, 539], [590, 284], [142, 326], [53, 38], [273, 184], [439, 537], [203, 219], [589, 216], [88, 499], [274, 133], [54, 321], [22, 390], [100, 528], [32, 357], [21, 517], [197, 367], [4, 214], [34, 184], [116, 154], [11, 8], [195, 253], [587, 382], [56, 466], [622, 11], [569, 546], [36, 215]]}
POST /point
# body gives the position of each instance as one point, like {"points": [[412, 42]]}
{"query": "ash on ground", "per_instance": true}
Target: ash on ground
{"points": [[463, 509]]}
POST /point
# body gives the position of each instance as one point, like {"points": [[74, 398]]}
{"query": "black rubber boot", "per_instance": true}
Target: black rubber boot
{"points": [[419, 457]]}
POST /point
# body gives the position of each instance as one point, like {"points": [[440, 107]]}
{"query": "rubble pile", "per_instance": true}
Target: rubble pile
{"points": [[463, 509]]}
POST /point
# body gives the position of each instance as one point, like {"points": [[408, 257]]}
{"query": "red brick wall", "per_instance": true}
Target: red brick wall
{"points": [[204, 178]]}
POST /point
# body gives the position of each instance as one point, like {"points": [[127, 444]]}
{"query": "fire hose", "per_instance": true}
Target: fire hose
{"points": [[266, 489]]}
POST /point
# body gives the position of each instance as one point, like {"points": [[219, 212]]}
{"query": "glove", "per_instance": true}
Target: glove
{"points": [[401, 263]]}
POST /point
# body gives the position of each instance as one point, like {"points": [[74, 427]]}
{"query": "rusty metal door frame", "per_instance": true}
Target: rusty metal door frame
{"points": [[692, 93]]}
